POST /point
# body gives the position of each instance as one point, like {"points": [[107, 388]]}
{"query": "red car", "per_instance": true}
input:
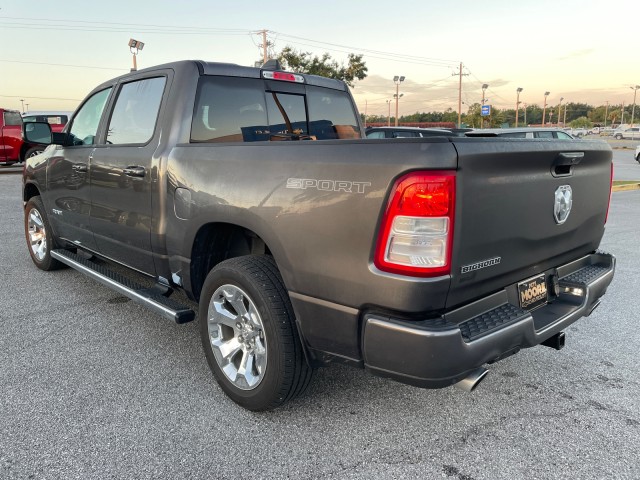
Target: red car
{"points": [[10, 137], [12, 148]]}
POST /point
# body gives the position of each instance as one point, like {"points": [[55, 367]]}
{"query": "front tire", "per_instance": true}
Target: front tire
{"points": [[248, 332], [618, 137], [32, 152], [39, 236]]}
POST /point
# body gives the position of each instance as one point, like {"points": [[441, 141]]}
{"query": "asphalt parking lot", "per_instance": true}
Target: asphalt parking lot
{"points": [[95, 386]]}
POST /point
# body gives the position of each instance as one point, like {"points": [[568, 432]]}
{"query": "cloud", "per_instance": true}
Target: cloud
{"points": [[577, 53]]}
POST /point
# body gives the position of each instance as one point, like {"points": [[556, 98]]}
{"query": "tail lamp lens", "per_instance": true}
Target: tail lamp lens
{"points": [[417, 228]]}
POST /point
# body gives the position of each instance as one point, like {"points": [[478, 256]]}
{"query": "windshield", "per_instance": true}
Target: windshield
{"points": [[244, 110]]}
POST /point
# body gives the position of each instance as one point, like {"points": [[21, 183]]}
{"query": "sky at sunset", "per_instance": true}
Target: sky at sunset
{"points": [[52, 53]]}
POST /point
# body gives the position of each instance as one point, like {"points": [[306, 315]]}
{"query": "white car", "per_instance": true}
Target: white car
{"points": [[632, 133]]}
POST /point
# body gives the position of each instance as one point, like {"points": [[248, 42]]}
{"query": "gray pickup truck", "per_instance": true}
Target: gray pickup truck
{"points": [[254, 191]]}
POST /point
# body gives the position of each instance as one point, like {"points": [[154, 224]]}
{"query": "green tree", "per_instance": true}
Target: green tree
{"points": [[581, 122], [306, 62]]}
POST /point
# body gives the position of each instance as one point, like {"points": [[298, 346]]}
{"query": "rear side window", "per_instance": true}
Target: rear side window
{"points": [[544, 134], [12, 119], [241, 110], [136, 111], [514, 135]]}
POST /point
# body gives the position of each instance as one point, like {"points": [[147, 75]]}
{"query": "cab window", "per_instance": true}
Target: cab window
{"points": [[86, 122], [135, 113]]}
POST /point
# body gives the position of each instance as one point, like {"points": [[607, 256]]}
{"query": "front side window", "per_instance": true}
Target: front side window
{"points": [[376, 134], [564, 136], [136, 111], [242, 110], [87, 120]]}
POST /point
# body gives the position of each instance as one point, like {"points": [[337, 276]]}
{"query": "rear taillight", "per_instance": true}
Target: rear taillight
{"points": [[417, 227], [610, 193]]}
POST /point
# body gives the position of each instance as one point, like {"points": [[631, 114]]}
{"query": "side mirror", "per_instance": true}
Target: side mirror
{"points": [[37, 132]]}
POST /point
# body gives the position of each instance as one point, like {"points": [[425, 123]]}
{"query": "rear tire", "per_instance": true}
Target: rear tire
{"points": [[39, 236], [249, 335]]}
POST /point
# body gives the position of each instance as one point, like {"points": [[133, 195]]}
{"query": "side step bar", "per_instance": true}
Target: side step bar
{"points": [[168, 308]]}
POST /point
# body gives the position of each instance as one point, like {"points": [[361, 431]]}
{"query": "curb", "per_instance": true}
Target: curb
{"points": [[626, 187]]}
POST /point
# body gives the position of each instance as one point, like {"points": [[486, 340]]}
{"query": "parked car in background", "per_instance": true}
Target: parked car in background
{"points": [[410, 132], [56, 119], [632, 133], [524, 132], [10, 136]]}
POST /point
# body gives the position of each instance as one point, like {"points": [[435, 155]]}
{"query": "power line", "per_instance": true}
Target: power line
{"points": [[40, 98], [64, 65]]}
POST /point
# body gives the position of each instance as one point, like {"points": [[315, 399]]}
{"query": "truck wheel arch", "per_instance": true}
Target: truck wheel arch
{"points": [[216, 242]]}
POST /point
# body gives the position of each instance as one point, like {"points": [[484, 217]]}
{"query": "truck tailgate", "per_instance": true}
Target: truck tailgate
{"points": [[505, 228]]}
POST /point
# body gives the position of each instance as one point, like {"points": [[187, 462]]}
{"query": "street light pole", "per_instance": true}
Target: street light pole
{"points": [[389, 113], [397, 80], [518, 90], [484, 89], [564, 119], [633, 110], [525, 114], [22, 102], [606, 112], [560, 110], [544, 109]]}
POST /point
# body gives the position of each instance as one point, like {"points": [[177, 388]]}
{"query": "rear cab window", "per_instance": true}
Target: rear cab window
{"points": [[230, 109], [12, 119]]}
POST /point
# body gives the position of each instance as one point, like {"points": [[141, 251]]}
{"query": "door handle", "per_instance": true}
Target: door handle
{"points": [[79, 167], [134, 171]]}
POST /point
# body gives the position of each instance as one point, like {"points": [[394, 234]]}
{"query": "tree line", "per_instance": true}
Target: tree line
{"points": [[578, 115]]}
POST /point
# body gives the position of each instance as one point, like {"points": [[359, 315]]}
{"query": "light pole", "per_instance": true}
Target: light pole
{"points": [[633, 110], [134, 47], [560, 110], [551, 116], [27, 107], [22, 102], [484, 89], [564, 119], [397, 80], [544, 109], [606, 112], [518, 90], [525, 114], [388, 102]]}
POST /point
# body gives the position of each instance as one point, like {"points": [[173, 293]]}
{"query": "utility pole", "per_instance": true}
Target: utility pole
{"points": [[606, 112], [622, 114], [518, 90], [544, 109], [264, 46], [564, 119], [525, 114], [633, 110], [460, 74], [389, 112]]}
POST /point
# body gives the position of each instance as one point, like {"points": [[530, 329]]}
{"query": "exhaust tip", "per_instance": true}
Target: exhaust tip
{"points": [[471, 381]]}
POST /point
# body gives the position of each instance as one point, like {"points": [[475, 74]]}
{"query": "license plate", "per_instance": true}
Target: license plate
{"points": [[533, 292]]}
